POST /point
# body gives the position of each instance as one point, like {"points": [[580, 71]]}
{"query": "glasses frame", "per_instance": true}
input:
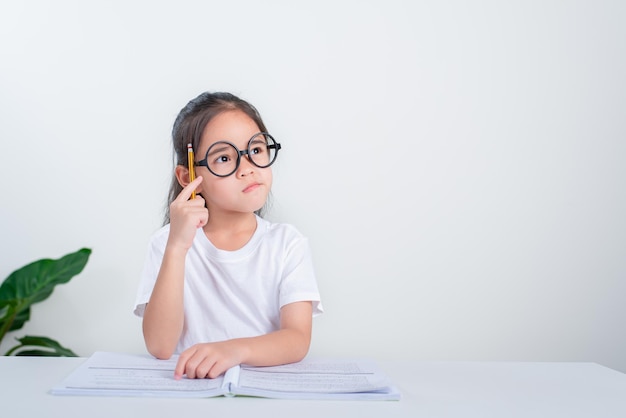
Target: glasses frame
{"points": [[240, 153]]}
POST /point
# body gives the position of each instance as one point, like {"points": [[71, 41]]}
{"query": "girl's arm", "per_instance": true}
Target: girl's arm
{"points": [[287, 345], [164, 316]]}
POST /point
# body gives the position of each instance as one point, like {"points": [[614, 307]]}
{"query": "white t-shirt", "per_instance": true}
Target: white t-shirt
{"points": [[235, 294]]}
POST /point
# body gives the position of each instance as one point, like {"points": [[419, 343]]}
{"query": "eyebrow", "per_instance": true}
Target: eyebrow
{"points": [[258, 141], [220, 149]]}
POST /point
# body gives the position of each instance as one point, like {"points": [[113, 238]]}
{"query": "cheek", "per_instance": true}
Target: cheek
{"points": [[269, 177], [206, 184], [210, 188]]}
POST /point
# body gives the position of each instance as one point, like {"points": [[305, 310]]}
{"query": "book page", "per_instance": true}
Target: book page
{"points": [[315, 376], [124, 374]]}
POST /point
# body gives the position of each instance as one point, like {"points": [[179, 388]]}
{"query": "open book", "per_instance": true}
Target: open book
{"points": [[115, 374]]}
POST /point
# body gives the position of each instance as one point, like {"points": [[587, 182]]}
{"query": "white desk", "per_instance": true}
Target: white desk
{"points": [[429, 389]]}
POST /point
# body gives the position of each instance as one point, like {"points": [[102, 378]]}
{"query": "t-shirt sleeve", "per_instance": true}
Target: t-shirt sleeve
{"points": [[298, 283], [149, 274]]}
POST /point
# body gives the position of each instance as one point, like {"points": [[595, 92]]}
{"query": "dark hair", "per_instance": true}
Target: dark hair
{"points": [[190, 124]]}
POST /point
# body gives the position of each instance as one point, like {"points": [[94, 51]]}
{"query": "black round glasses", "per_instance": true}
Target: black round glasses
{"points": [[223, 157]]}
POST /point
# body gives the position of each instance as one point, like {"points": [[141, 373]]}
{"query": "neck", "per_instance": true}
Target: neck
{"points": [[230, 231]]}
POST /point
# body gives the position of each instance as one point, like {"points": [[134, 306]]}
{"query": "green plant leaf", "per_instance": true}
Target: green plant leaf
{"points": [[5, 311], [11, 320], [7, 317], [36, 353], [20, 318], [51, 348], [34, 283]]}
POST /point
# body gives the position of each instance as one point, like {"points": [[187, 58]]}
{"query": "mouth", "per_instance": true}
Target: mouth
{"points": [[251, 187]]}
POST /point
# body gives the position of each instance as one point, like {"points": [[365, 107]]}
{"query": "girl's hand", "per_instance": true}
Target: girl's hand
{"points": [[208, 360], [186, 216]]}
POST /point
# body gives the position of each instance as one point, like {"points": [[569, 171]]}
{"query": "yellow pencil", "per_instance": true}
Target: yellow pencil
{"points": [[192, 173]]}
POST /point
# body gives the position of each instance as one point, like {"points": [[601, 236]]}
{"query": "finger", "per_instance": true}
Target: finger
{"points": [[198, 202], [180, 368], [204, 218], [185, 194], [192, 368], [205, 368], [216, 370], [181, 365]]}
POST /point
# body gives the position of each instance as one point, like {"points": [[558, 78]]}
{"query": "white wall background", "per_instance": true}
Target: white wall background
{"points": [[458, 166]]}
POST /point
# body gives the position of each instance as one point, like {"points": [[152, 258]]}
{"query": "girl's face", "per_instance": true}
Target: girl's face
{"points": [[244, 191]]}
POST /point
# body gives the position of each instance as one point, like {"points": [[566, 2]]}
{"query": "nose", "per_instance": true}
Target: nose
{"points": [[245, 167]]}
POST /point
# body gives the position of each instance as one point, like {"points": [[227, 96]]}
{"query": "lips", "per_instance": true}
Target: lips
{"points": [[251, 187]]}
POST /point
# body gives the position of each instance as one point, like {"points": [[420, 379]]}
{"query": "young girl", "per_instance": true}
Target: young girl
{"points": [[221, 285]]}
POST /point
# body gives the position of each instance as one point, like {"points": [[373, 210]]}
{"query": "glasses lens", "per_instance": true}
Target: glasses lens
{"points": [[262, 150], [222, 158]]}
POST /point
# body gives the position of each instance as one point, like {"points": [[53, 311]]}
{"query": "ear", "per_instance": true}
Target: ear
{"points": [[182, 175]]}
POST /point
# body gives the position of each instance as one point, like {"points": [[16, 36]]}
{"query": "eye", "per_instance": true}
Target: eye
{"points": [[221, 153], [221, 159], [256, 150], [257, 147]]}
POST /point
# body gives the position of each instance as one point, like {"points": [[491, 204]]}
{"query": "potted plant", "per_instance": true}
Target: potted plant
{"points": [[31, 284]]}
